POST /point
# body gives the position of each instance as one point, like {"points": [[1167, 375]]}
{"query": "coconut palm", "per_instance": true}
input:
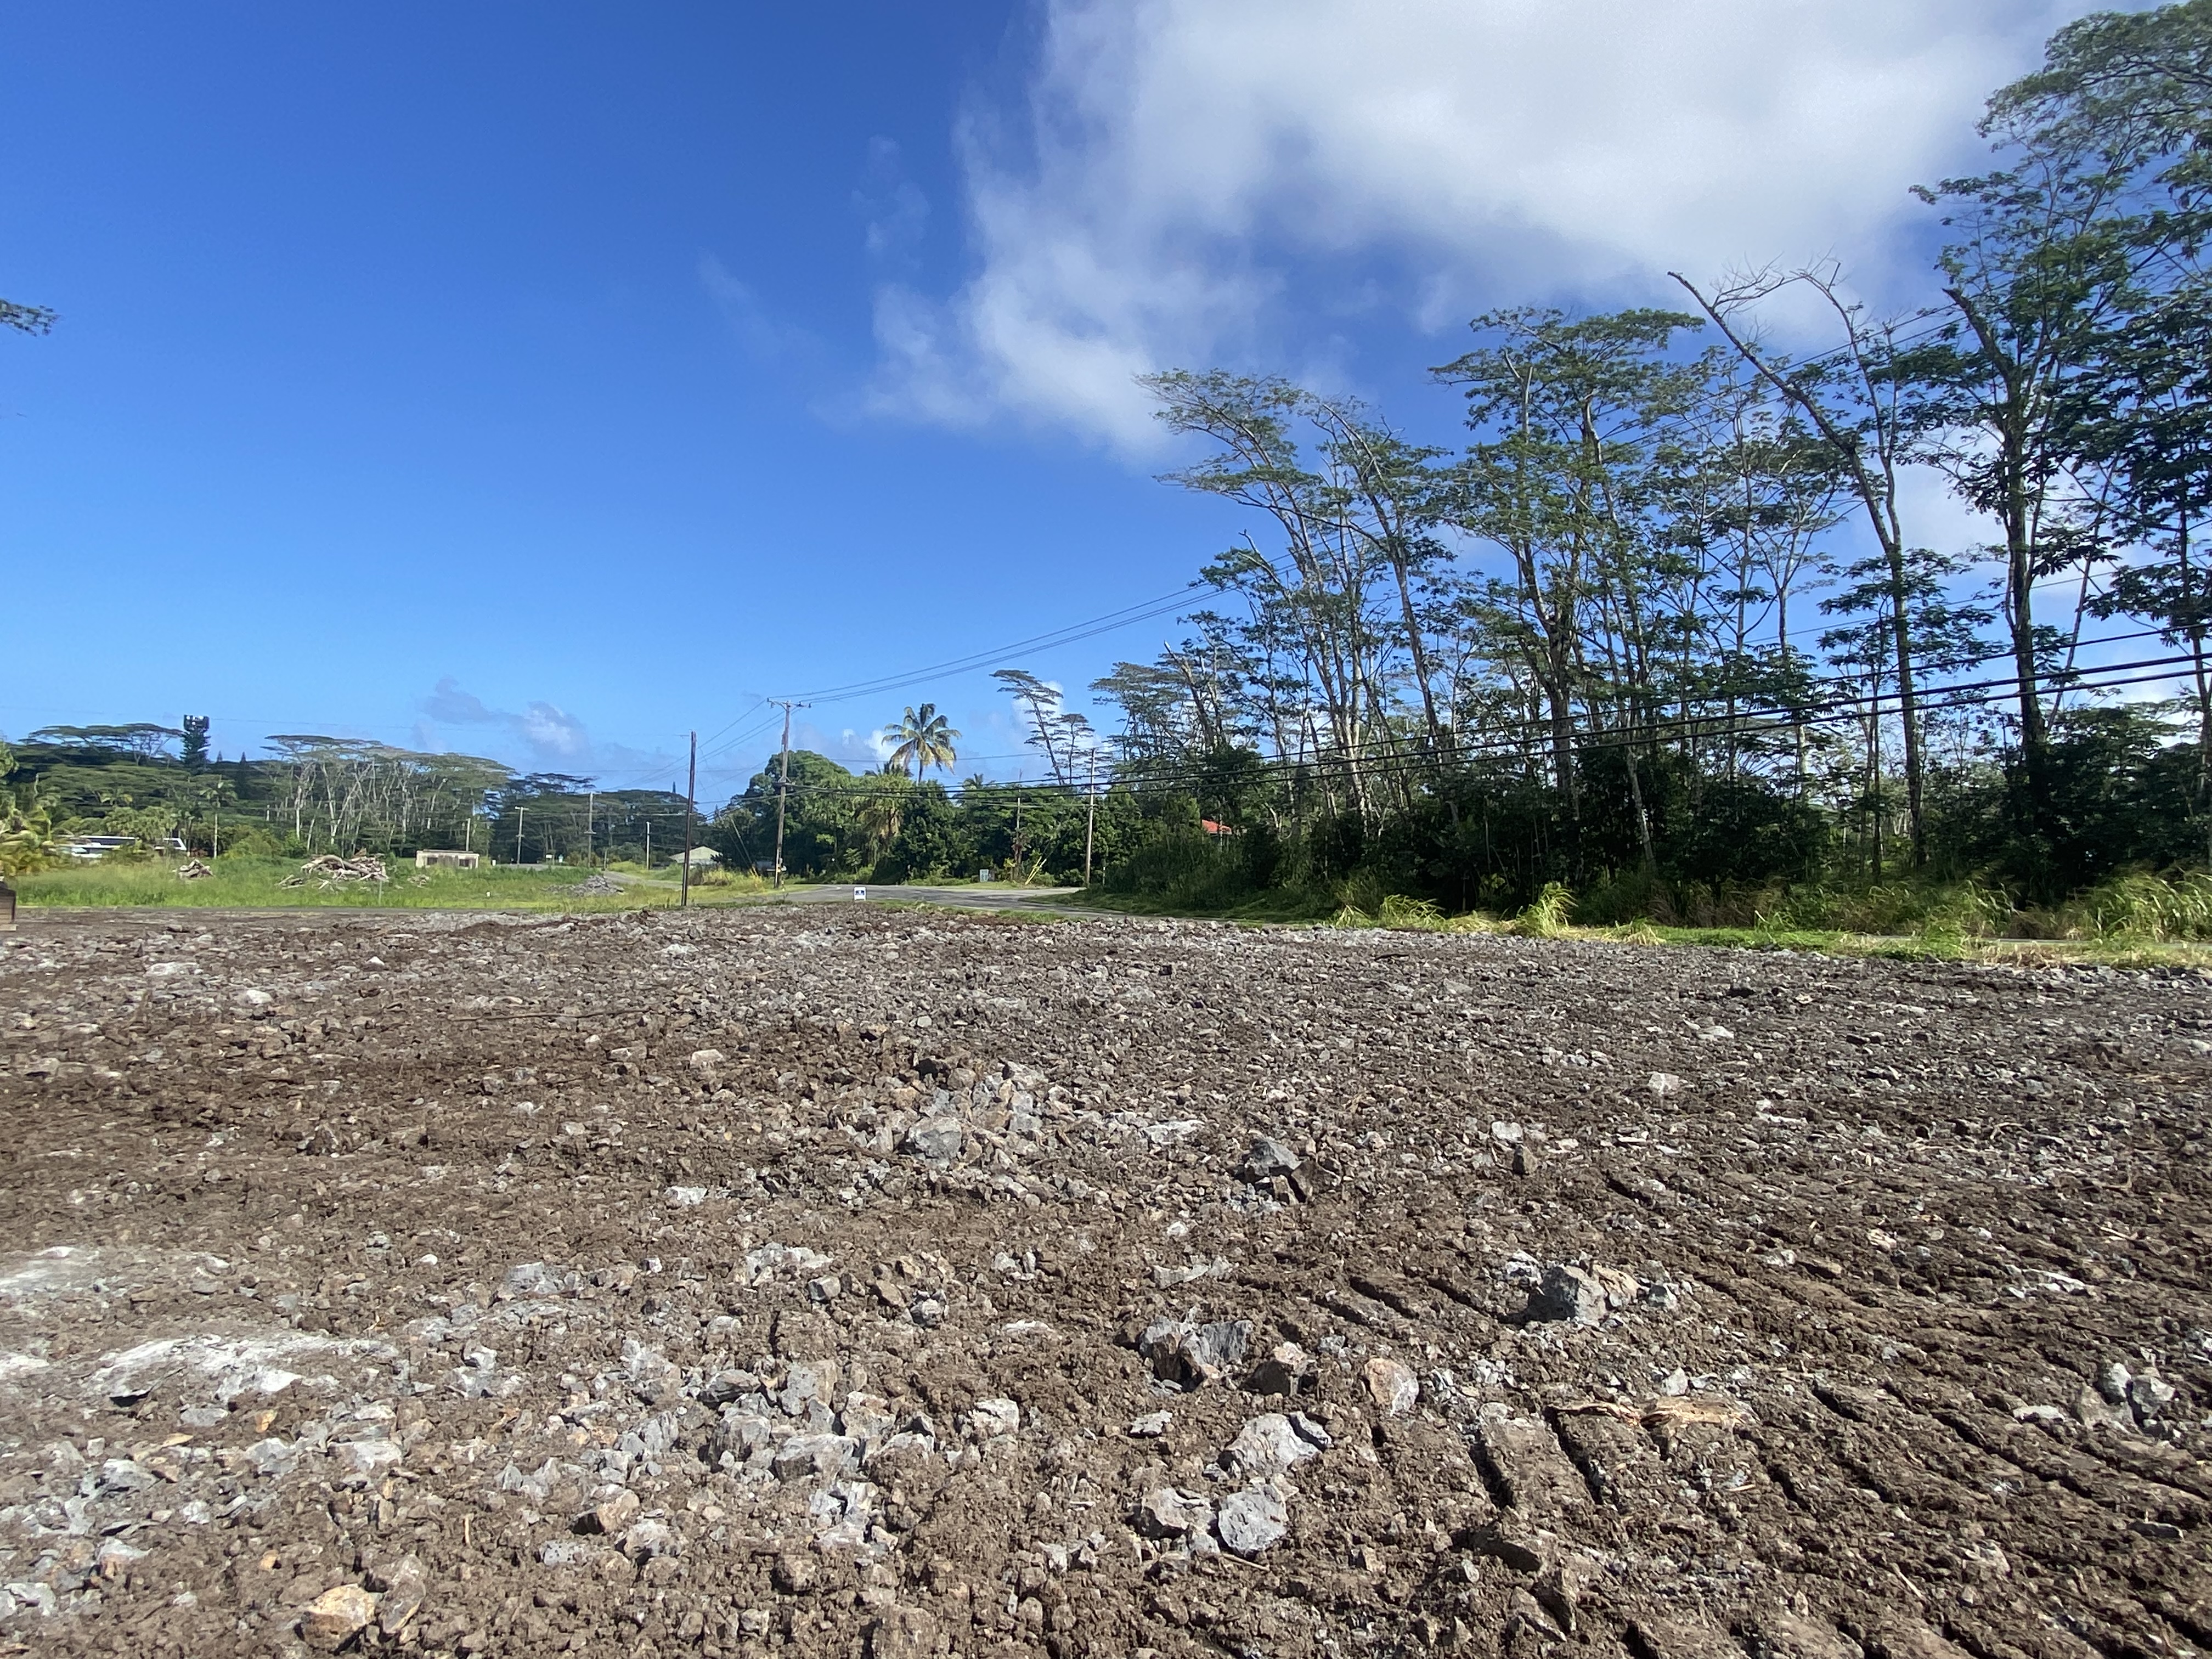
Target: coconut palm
{"points": [[924, 740], [883, 805]]}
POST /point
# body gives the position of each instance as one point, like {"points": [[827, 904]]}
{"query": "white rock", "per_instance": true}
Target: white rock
{"points": [[1253, 1520], [1269, 1446], [1168, 1513]]}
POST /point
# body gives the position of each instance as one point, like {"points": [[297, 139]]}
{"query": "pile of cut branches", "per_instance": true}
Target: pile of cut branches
{"points": [[327, 870]]}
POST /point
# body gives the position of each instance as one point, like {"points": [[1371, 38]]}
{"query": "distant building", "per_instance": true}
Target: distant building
{"points": [[96, 847], [448, 860], [702, 856]]}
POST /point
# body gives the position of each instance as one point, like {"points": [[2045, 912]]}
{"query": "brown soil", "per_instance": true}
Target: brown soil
{"points": [[839, 1281]]}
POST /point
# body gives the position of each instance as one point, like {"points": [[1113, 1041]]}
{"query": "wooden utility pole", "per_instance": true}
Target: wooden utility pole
{"points": [[1090, 815], [691, 807], [518, 839], [590, 797], [783, 786]]}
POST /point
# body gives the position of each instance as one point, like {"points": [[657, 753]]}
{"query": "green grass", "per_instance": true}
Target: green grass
{"points": [[1935, 945], [255, 883]]}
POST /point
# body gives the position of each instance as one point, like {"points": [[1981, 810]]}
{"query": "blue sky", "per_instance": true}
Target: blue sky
{"points": [[546, 380]]}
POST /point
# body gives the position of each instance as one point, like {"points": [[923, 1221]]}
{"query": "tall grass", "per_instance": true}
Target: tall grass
{"points": [[1547, 916]]}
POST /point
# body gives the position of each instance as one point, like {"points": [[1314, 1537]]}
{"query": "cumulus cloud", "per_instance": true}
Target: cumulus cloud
{"points": [[1183, 172], [550, 733]]}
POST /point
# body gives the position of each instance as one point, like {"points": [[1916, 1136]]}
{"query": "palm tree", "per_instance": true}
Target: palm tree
{"points": [[883, 805], [924, 740]]}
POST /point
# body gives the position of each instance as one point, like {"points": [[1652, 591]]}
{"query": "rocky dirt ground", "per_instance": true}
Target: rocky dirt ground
{"points": [[839, 1282]]}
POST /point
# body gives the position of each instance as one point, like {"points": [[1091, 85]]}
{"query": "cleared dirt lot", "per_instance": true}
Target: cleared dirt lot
{"points": [[839, 1280]]}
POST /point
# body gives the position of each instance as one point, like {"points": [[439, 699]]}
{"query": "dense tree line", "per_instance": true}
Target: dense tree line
{"points": [[1661, 614]]}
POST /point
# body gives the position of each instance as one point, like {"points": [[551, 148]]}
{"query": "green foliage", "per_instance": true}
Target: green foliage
{"points": [[1547, 916], [925, 739], [2140, 906], [28, 840], [1414, 916]]}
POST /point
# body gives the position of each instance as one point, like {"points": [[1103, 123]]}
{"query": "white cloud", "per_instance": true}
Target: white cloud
{"points": [[891, 205], [878, 744], [760, 334], [544, 731], [1182, 167]]}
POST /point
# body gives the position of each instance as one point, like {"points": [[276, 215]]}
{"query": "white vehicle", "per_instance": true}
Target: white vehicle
{"points": [[96, 847]]}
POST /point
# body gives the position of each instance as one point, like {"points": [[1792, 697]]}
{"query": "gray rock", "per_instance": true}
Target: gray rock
{"points": [[737, 1437], [1193, 1355], [1253, 1520], [805, 1456], [808, 1389], [1215, 1348], [1571, 1295], [1151, 1425], [529, 1278], [727, 1387], [1286, 1371], [611, 1517], [1168, 1513], [2149, 1394], [2096, 1412], [1267, 1160], [402, 1584], [1267, 1446], [940, 1140], [1392, 1385]]}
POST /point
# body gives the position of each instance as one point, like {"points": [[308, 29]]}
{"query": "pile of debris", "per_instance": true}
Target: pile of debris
{"points": [[192, 870], [328, 870], [598, 885]]}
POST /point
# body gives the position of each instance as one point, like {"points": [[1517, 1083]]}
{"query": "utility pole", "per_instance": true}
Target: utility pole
{"points": [[783, 785], [517, 837], [1091, 815], [648, 840], [690, 805], [590, 797]]}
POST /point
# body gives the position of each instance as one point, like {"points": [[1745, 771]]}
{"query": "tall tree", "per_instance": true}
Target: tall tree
{"points": [[925, 739], [1041, 703], [1570, 414], [1857, 400]]}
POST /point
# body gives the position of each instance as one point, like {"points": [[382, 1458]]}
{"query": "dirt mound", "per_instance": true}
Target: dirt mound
{"points": [[810, 1280]]}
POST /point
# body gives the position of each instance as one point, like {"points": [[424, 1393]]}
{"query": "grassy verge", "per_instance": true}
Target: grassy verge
{"points": [[257, 883], [1280, 907]]}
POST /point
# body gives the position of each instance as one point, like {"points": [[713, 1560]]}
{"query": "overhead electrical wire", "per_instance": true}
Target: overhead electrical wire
{"points": [[1401, 760]]}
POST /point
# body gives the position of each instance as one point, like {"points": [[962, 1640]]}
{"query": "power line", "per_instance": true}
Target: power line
{"points": [[1395, 761]]}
